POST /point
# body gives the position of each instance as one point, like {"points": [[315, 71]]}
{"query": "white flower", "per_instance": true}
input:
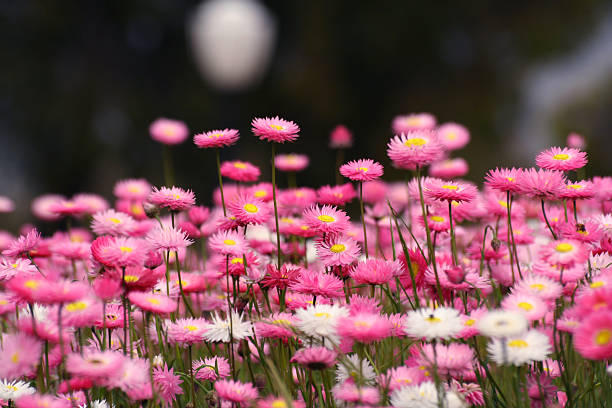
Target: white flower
{"points": [[502, 323], [12, 390], [158, 361], [219, 329], [518, 350], [424, 395], [609, 370], [97, 404], [600, 261], [321, 321], [439, 323], [354, 368]]}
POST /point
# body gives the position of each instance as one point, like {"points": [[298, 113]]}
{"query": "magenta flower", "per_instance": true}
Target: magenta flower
{"points": [[340, 138], [168, 131], [326, 219], [315, 358], [118, 251], [561, 159], [362, 170], [275, 129], [174, 198], [291, 162], [541, 184], [167, 384], [167, 239], [19, 355], [318, 284], [453, 136], [158, 304], [234, 391], [415, 148], [240, 171], [414, 121], [249, 210], [23, 244], [216, 138], [437, 189], [132, 189], [593, 338], [337, 250]]}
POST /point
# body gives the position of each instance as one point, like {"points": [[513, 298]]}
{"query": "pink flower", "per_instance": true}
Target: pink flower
{"points": [[118, 251], [541, 184], [453, 136], [295, 200], [375, 271], [415, 148], [41, 206], [249, 210], [315, 358], [350, 392], [41, 400], [227, 243], [187, 331], [437, 189], [167, 239], [593, 338], [336, 195], [364, 327], [414, 121], [168, 131], [340, 138], [95, 365], [240, 171], [158, 304], [503, 179], [583, 189], [281, 278], [531, 306], [402, 376], [362, 170], [453, 359], [562, 159], [19, 355], [68, 208], [262, 191], [291, 162], [19, 266], [337, 250], [112, 222], [234, 391], [132, 189], [6, 205], [93, 203], [275, 129], [576, 141], [33, 288], [565, 253], [211, 368], [318, 284], [23, 244], [449, 168], [216, 138], [326, 219], [174, 198], [167, 384], [277, 326]]}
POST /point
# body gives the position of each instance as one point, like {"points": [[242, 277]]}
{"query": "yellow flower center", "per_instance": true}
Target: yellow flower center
{"points": [[326, 218], [433, 319], [236, 260], [76, 306], [597, 284], [252, 208], [603, 337], [304, 227], [537, 286], [561, 156], [31, 284], [525, 306], [283, 322], [287, 220], [229, 242], [451, 136], [364, 169], [564, 247], [12, 387], [15, 358], [415, 141], [276, 127], [154, 301], [337, 248], [436, 218], [450, 187], [130, 278], [125, 249], [260, 193], [503, 203], [115, 220], [3, 302], [279, 404], [216, 135], [518, 343], [470, 322], [362, 324], [575, 186], [191, 328], [323, 314], [240, 165]]}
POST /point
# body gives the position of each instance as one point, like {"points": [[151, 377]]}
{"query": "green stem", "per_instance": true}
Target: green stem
{"points": [[547, 223], [365, 235], [220, 181], [278, 246]]}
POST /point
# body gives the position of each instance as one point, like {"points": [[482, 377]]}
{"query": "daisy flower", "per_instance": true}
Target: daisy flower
{"points": [[351, 393], [132, 189], [295, 200], [502, 323], [364, 327], [562, 159], [503, 179], [413, 121], [326, 219], [321, 321], [167, 239], [42, 400], [564, 252], [13, 390], [539, 285], [216, 138], [318, 284], [249, 210], [158, 304], [439, 323], [424, 395], [280, 279], [453, 136], [352, 367], [240, 171], [520, 349], [118, 251], [19, 355], [219, 329], [453, 359], [275, 129], [437, 189], [168, 131], [167, 384], [6, 205], [173, 198], [541, 184], [336, 195], [414, 148], [95, 364], [69, 208], [19, 266], [227, 243], [23, 244], [337, 250], [291, 162], [593, 338], [41, 206], [234, 391], [340, 138], [278, 325], [531, 306], [362, 170], [112, 222], [187, 331], [211, 368], [315, 358], [583, 189], [375, 271], [82, 313], [449, 168]]}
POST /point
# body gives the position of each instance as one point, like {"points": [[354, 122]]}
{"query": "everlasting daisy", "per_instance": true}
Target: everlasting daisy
{"points": [[352, 367], [278, 326], [315, 358], [168, 239], [413, 121], [291, 162], [219, 329], [13, 390], [249, 210], [227, 243], [501, 323], [362, 170], [318, 284], [19, 355], [453, 359], [280, 279], [541, 184], [375, 271], [234, 391], [132, 189], [216, 138], [531, 306], [326, 219], [562, 159], [583, 189], [565, 253], [112, 222], [23, 244], [19, 266], [593, 338], [275, 129], [158, 304], [187, 331], [453, 136], [174, 198], [336, 195], [349, 392], [321, 321], [364, 327], [437, 189], [449, 168], [520, 349], [118, 251], [424, 395], [41, 206], [96, 365], [211, 368], [69, 208], [539, 285], [503, 179], [428, 323], [168, 131], [340, 138], [167, 384], [240, 171], [42, 400], [415, 148], [293, 201], [337, 250]]}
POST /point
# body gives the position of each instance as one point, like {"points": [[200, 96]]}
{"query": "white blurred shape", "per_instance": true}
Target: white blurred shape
{"points": [[232, 42]]}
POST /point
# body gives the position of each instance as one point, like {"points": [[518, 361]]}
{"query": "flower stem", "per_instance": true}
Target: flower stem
{"points": [[365, 235], [547, 223], [220, 181], [278, 246]]}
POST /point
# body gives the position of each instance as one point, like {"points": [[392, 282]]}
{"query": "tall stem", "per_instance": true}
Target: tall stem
{"points": [[365, 235], [547, 223], [278, 246], [511, 236], [220, 181], [452, 233]]}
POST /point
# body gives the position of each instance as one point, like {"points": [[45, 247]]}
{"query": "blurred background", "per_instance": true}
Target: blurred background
{"points": [[82, 81]]}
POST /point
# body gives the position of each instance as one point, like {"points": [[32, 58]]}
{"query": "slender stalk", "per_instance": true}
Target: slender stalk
{"points": [[220, 181], [278, 246], [452, 233], [365, 235], [547, 223]]}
